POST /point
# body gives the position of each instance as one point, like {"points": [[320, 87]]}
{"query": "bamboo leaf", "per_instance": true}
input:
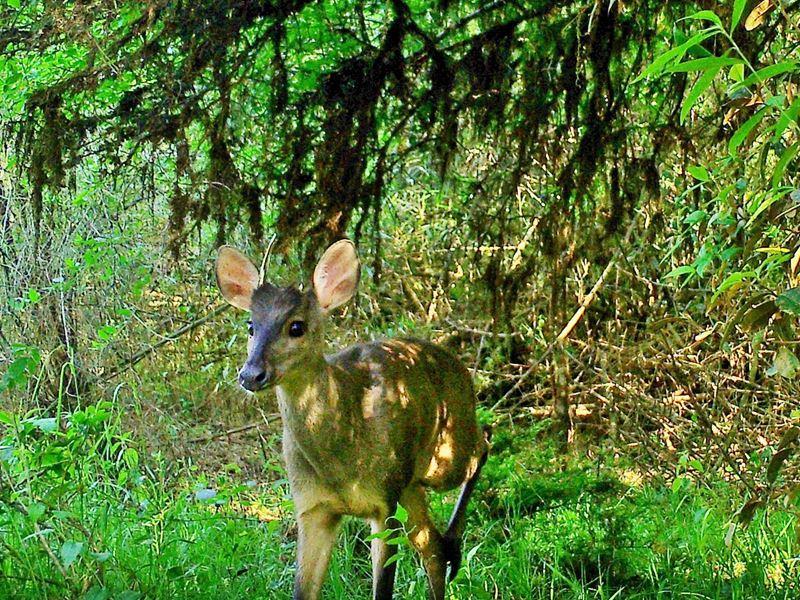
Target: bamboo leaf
{"points": [[658, 65], [787, 116], [703, 83], [744, 130], [767, 73], [702, 64], [705, 15], [738, 10], [783, 162]]}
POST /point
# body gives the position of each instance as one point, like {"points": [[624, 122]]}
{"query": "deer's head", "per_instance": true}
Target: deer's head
{"points": [[286, 324]]}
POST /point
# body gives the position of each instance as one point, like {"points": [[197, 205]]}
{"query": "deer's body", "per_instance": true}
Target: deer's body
{"points": [[364, 429], [374, 419]]}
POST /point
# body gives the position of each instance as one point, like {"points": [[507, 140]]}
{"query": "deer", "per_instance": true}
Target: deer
{"points": [[370, 427]]}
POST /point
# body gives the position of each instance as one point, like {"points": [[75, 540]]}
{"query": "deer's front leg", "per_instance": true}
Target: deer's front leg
{"points": [[382, 574], [316, 533]]}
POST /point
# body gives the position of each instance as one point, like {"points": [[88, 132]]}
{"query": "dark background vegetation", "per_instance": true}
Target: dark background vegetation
{"points": [[594, 203]]}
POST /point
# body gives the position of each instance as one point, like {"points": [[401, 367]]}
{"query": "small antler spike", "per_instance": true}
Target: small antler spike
{"points": [[265, 261]]}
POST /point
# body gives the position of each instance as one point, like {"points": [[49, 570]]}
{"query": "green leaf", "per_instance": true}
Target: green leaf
{"points": [[662, 60], [705, 15], [770, 198], [47, 425], [695, 217], [101, 556], [682, 270], [13, 3], [703, 83], [70, 550], [786, 364], [729, 282], [702, 64], [699, 173], [744, 130], [96, 592], [36, 511], [767, 73], [787, 116], [401, 514], [789, 301], [782, 163], [738, 11], [392, 559], [737, 72]]}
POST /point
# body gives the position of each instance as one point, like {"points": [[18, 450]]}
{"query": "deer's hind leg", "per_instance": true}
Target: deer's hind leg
{"points": [[426, 539]]}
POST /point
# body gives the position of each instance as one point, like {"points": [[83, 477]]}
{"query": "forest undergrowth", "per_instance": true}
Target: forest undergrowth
{"points": [[593, 204]]}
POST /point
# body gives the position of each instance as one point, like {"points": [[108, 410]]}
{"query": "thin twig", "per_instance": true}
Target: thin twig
{"points": [[145, 352], [268, 419]]}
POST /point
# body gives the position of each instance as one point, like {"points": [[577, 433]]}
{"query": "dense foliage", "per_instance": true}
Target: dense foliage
{"points": [[595, 203]]}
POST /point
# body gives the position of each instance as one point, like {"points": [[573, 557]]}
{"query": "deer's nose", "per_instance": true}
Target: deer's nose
{"points": [[254, 377]]}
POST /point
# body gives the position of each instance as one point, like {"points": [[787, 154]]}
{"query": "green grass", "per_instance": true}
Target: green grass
{"points": [[543, 525]]}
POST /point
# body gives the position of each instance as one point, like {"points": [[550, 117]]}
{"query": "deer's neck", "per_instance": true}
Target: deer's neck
{"points": [[309, 397]]}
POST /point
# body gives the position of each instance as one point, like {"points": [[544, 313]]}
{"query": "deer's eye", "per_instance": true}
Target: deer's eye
{"points": [[250, 328], [296, 329]]}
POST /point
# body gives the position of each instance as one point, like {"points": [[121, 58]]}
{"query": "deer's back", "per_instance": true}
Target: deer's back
{"points": [[413, 402]]}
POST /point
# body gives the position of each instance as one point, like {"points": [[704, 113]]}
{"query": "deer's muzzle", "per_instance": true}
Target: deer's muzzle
{"points": [[255, 377]]}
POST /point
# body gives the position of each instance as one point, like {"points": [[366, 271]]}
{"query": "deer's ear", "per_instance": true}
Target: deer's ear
{"points": [[336, 275], [237, 277]]}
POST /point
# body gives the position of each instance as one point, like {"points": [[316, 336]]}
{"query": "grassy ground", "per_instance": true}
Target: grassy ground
{"points": [[83, 513]]}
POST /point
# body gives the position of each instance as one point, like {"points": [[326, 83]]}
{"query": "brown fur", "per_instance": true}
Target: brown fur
{"points": [[363, 429]]}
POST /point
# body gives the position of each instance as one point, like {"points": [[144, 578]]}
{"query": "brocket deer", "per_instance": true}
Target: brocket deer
{"points": [[371, 426]]}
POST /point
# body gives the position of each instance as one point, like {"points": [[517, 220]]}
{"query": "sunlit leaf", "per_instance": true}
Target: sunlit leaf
{"points": [[401, 514], [699, 173], [682, 270]]}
